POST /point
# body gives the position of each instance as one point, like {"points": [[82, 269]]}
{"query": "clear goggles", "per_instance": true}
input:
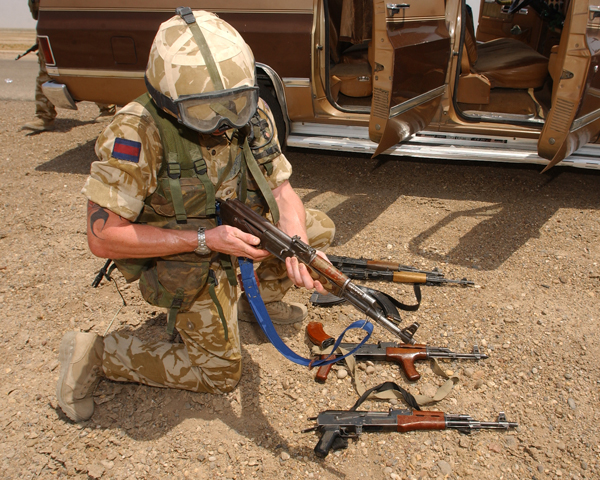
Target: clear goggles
{"points": [[207, 113]]}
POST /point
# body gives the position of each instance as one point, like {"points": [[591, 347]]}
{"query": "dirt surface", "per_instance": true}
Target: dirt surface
{"points": [[529, 241]]}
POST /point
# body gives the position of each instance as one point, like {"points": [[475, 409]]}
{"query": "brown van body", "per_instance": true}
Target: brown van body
{"points": [[366, 75]]}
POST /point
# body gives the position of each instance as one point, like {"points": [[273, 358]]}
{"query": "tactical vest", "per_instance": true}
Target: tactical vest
{"points": [[185, 200]]}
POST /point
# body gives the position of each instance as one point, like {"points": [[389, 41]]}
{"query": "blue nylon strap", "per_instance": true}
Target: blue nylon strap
{"points": [[262, 316]]}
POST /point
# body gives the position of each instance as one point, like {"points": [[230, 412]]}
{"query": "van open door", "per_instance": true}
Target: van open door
{"points": [[574, 117], [412, 54]]}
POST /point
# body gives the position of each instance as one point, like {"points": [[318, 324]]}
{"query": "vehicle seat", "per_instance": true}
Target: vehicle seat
{"points": [[505, 62], [353, 76]]}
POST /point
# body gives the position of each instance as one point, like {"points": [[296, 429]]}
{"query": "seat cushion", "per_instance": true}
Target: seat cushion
{"points": [[508, 63], [356, 79]]}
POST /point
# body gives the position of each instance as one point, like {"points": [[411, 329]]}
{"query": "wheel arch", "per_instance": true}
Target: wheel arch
{"points": [[270, 76]]}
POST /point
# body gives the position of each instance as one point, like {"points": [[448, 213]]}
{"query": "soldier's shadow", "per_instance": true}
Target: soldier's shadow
{"points": [[78, 160]]}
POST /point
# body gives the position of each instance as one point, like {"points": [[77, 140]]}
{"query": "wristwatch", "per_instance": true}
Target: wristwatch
{"points": [[202, 249]]}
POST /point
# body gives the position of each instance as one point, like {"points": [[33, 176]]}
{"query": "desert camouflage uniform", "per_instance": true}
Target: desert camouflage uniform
{"points": [[44, 108], [205, 362]]}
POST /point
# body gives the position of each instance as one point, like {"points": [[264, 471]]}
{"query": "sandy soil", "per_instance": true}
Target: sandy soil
{"points": [[529, 241]]}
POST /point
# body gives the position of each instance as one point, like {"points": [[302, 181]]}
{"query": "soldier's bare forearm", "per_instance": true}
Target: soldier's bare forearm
{"points": [[112, 236]]}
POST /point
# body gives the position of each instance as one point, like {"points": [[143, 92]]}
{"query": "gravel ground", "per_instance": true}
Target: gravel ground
{"points": [[529, 241]]}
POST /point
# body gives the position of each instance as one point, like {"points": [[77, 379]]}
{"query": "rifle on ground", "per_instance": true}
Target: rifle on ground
{"points": [[336, 426], [404, 355], [363, 269], [235, 213], [33, 48]]}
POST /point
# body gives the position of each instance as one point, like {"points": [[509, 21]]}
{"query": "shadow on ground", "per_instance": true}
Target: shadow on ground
{"points": [[78, 160], [503, 187]]}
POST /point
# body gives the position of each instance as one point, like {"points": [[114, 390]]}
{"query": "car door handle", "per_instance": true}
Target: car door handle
{"points": [[394, 8], [594, 12]]}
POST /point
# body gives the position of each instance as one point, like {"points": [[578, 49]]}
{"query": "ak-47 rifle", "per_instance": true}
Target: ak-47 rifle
{"points": [[404, 355], [33, 48], [235, 213], [363, 269], [336, 426]]}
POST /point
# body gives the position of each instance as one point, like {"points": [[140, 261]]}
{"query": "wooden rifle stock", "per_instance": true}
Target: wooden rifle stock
{"points": [[317, 335], [421, 420]]}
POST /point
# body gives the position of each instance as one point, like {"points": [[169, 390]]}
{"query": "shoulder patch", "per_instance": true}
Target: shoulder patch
{"points": [[127, 150]]}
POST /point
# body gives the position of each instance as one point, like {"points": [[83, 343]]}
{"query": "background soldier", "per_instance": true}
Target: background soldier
{"points": [[44, 109], [201, 134]]}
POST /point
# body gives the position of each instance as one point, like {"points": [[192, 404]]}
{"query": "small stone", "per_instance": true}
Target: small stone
{"points": [[484, 342], [464, 443], [444, 467], [285, 383], [584, 465], [534, 370], [370, 369], [285, 456], [562, 279], [212, 458], [540, 468], [511, 442], [559, 473], [469, 372], [108, 464], [389, 246], [342, 373], [387, 470], [428, 390], [221, 449], [571, 403], [95, 470], [494, 447], [478, 384], [568, 376], [561, 446]]}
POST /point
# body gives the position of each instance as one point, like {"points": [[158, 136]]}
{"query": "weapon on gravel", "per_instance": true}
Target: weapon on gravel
{"points": [[33, 48], [335, 426], [404, 355], [235, 213], [363, 269]]}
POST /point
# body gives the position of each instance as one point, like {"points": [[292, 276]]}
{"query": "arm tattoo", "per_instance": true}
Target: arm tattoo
{"points": [[97, 214]]}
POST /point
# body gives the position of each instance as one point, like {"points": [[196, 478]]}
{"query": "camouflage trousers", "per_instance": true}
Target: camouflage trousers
{"points": [[44, 108], [205, 361]]}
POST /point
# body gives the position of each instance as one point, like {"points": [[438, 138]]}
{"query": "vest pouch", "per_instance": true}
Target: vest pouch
{"points": [[194, 197], [159, 285], [132, 268]]}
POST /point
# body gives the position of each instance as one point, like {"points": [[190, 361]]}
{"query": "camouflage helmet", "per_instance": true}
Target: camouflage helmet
{"points": [[202, 71]]}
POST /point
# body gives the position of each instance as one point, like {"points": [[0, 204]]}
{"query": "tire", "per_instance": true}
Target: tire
{"points": [[267, 93]]}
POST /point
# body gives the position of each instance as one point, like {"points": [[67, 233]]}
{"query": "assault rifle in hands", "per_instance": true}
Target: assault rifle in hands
{"points": [[336, 426], [404, 355], [363, 269], [237, 214]]}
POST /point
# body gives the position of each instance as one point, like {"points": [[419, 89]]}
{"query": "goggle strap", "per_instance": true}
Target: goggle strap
{"points": [[162, 101], [209, 60], [222, 110]]}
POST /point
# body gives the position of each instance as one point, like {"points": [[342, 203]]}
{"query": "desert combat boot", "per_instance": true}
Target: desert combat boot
{"points": [[281, 313], [39, 125], [80, 357]]}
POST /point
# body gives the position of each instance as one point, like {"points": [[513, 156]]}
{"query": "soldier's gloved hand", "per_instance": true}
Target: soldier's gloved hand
{"points": [[233, 241], [298, 273]]}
